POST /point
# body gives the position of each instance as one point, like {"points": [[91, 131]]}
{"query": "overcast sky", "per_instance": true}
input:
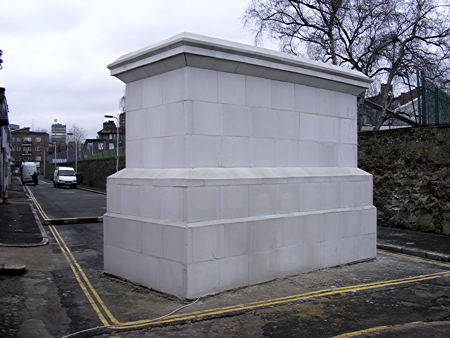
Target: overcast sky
{"points": [[55, 52]]}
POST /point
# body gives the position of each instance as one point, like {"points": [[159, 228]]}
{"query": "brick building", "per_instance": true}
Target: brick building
{"points": [[30, 146]]}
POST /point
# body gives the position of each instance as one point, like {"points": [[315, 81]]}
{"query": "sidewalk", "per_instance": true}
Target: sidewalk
{"points": [[19, 225], [414, 243]]}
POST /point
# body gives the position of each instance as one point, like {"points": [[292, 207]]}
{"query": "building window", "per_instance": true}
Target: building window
{"points": [[38, 139], [110, 136], [37, 158], [27, 140], [18, 139], [111, 146], [38, 148]]}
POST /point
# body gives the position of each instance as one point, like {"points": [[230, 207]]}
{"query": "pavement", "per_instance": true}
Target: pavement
{"points": [[19, 224]]}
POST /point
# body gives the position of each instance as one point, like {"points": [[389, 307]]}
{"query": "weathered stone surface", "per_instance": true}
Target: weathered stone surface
{"points": [[411, 176]]}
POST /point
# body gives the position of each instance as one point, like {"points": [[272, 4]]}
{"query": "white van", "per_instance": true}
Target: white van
{"points": [[27, 170], [64, 176]]}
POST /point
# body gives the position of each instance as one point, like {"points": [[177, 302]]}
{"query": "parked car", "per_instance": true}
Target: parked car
{"points": [[27, 170], [64, 176]]}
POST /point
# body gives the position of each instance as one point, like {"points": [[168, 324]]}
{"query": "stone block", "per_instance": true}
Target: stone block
{"points": [[207, 118], [233, 272], [202, 278], [262, 199], [237, 120], [237, 239], [265, 234], [346, 105], [310, 196], [208, 242], [264, 122], [236, 152], [175, 120], [288, 124], [152, 91], [368, 221], [283, 96], [174, 243], [202, 84], [172, 278], [231, 88], [156, 125], [234, 201], [148, 272], [173, 154], [262, 152], [133, 93], [305, 99], [152, 153], [202, 151], [347, 155], [286, 153], [152, 239], [348, 131], [257, 92], [288, 198], [326, 102], [173, 85], [134, 157], [263, 266], [310, 129], [202, 203], [172, 203]]}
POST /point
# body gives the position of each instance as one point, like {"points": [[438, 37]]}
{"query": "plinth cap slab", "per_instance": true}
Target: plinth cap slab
{"points": [[193, 50]]}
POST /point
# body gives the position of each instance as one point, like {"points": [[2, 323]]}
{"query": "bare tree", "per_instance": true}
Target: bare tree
{"points": [[384, 39], [76, 134]]}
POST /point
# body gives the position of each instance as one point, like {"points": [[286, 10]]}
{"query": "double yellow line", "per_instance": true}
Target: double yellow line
{"points": [[108, 320], [103, 313]]}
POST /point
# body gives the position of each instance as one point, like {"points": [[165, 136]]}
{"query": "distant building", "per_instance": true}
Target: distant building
{"points": [[30, 146], [94, 145], [58, 134], [13, 126], [5, 152], [109, 134]]}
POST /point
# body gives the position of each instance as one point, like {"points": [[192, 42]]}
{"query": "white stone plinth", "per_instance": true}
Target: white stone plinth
{"points": [[240, 168]]}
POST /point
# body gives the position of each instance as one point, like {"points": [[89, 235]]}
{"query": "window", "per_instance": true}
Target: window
{"points": [[100, 146], [38, 148], [111, 146], [18, 139], [27, 140], [110, 136], [38, 139], [37, 158]]}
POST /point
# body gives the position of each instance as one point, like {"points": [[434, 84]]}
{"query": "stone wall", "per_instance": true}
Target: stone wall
{"points": [[93, 173], [411, 174]]}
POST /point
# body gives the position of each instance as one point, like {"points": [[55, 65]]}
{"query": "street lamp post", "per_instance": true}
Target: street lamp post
{"points": [[76, 152], [117, 139]]}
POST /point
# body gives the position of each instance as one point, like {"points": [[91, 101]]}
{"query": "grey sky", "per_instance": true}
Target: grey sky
{"points": [[55, 52]]}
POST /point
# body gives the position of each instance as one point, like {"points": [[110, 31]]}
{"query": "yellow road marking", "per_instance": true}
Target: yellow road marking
{"points": [[250, 306], [83, 288], [373, 329], [90, 286], [76, 267], [86, 286], [414, 259]]}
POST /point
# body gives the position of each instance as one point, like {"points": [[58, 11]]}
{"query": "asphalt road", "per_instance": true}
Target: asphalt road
{"points": [[65, 291], [66, 203]]}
